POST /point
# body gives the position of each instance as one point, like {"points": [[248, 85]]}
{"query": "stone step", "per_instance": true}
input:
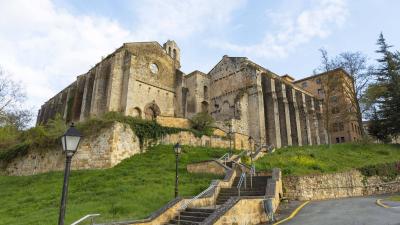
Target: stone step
{"points": [[191, 218], [200, 210], [183, 222], [242, 193], [198, 214], [235, 190]]}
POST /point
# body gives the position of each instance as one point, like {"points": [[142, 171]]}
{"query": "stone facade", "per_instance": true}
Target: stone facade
{"points": [[339, 85], [143, 79], [337, 185]]}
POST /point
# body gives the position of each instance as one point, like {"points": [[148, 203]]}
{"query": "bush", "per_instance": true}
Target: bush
{"points": [[387, 171], [203, 123], [14, 151], [8, 136]]}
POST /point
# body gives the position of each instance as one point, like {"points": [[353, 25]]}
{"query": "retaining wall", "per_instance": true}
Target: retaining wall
{"points": [[337, 185]]}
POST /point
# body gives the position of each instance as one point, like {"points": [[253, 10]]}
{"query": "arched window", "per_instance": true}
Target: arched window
{"points": [[174, 53], [151, 111], [205, 92], [136, 112], [169, 50], [204, 106]]}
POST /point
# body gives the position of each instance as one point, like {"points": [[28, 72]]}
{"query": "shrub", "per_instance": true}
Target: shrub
{"points": [[203, 123], [387, 171], [8, 136], [14, 151]]}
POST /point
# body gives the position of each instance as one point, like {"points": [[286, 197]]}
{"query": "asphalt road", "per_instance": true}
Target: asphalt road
{"points": [[350, 211]]}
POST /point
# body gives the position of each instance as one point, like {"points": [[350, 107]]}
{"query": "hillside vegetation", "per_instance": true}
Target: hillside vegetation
{"points": [[131, 190], [339, 157]]}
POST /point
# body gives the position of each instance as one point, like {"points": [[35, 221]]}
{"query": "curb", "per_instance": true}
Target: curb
{"points": [[381, 204], [293, 214]]}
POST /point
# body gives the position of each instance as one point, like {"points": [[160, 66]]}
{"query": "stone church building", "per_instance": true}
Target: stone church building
{"points": [[143, 79]]}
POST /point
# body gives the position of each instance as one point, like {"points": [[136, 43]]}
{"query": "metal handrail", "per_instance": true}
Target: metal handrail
{"points": [[91, 216], [252, 174], [184, 206], [225, 158], [241, 179]]}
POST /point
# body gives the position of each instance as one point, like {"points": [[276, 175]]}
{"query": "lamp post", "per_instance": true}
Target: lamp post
{"points": [[177, 149], [251, 160], [70, 141], [251, 149], [230, 138]]}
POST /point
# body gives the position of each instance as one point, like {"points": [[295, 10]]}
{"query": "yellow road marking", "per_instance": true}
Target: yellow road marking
{"points": [[380, 203], [293, 213]]}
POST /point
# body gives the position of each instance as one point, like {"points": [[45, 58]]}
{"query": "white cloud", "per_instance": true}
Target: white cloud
{"points": [[294, 30], [46, 47], [181, 19]]}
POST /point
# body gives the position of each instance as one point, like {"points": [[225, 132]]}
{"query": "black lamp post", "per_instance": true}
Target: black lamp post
{"points": [[251, 149], [230, 138], [70, 141], [177, 149]]}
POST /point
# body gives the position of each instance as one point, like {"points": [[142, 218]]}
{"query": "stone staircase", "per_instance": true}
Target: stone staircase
{"points": [[194, 216], [191, 216], [258, 189]]}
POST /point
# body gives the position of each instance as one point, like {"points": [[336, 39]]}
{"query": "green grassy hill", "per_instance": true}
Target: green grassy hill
{"points": [[131, 190], [322, 159]]}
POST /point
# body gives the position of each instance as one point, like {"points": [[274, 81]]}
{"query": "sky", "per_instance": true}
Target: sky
{"points": [[45, 45]]}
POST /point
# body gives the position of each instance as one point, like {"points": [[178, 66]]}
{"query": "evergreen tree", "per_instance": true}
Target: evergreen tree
{"points": [[388, 75], [377, 129]]}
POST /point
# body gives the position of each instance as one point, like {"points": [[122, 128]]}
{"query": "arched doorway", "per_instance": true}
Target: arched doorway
{"points": [[151, 111], [204, 106]]}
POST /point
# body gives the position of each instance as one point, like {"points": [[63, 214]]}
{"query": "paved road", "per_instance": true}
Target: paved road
{"points": [[350, 211]]}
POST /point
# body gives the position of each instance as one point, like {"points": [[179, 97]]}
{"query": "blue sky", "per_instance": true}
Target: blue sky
{"points": [[46, 44]]}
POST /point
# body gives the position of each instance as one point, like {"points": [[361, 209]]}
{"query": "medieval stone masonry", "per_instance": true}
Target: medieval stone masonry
{"points": [[143, 79]]}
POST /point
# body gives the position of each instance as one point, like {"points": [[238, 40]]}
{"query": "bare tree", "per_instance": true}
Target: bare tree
{"points": [[11, 98], [355, 64]]}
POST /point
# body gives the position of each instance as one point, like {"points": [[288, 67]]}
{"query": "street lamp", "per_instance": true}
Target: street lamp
{"points": [[177, 149], [230, 138], [251, 160], [251, 148], [70, 141]]}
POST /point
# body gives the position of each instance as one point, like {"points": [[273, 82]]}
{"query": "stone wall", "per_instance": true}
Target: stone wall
{"points": [[210, 166], [104, 150], [173, 122], [337, 185], [245, 211]]}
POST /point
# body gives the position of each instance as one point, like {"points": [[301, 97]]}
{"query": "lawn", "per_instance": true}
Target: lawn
{"points": [[132, 190], [323, 159], [394, 198]]}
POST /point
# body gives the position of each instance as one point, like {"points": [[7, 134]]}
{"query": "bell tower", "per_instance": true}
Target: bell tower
{"points": [[172, 49]]}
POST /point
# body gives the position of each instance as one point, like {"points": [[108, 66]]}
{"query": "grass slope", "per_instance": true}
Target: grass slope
{"points": [[322, 159], [131, 190]]}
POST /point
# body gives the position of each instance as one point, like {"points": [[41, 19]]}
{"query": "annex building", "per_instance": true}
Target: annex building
{"points": [[143, 79]]}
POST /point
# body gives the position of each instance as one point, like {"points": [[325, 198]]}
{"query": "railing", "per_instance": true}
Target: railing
{"points": [[184, 206], [91, 216], [252, 173], [225, 158], [241, 180], [239, 156]]}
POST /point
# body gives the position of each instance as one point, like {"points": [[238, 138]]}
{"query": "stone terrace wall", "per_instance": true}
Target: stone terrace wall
{"points": [[188, 138], [337, 185], [104, 150], [173, 122]]}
